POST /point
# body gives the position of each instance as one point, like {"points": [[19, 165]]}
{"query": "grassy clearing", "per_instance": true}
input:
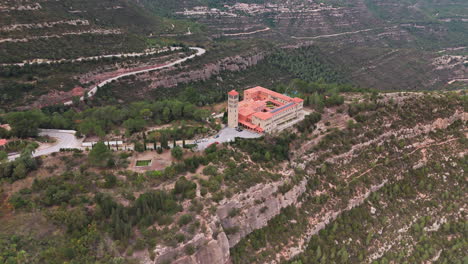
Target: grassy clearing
{"points": [[143, 163]]}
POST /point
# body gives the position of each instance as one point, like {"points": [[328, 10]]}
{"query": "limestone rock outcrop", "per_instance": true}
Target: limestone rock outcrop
{"points": [[209, 250], [166, 78], [255, 207]]}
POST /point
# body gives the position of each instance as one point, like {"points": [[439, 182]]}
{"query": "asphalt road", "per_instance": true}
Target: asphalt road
{"points": [[64, 139], [92, 92]]}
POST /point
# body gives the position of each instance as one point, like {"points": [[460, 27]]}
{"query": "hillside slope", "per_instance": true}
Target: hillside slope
{"points": [[388, 45], [398, 45], [69, 29], [378, 178]]}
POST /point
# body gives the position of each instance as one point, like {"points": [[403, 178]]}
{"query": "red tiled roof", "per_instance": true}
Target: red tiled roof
{"points": [[77, 91], [270, 92], [267, 115], [3, 142], [246, 112], [276, 102], [251, 126], [233, 92], [255, 105], [263, 115], [247, 108]]}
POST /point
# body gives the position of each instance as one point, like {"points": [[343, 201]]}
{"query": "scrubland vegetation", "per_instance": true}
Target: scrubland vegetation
{"points": [[411, 194], [103, 212], [99, 121], [366, 177]]}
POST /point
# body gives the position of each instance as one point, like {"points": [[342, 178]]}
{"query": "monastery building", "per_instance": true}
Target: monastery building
{"points": [[263, 110]]}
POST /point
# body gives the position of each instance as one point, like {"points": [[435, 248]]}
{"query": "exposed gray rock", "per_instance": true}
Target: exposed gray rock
{"points": [[209, 250], [167, 78], [253, 214]]}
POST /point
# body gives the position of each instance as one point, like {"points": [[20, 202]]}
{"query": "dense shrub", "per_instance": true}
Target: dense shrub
{"points": [[184, 188], [267, 148]]}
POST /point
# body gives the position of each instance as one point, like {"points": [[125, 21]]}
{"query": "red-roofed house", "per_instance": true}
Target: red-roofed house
{"points": [[263, 110], [3, 143], [77, 91]]}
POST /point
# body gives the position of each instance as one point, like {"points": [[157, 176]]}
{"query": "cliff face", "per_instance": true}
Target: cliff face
{"points": [[168, 78], [245, 212], [294, 18], [210, 250], [372, 42], [254, 207]]}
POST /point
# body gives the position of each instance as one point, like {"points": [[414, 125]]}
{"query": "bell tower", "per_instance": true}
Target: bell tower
{"points": [[233, 109]]}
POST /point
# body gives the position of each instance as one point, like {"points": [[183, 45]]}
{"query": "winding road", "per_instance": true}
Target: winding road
{"points": [[92, 92], [65, 139]]}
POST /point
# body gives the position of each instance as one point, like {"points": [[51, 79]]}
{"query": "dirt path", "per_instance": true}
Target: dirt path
{"points": [[247, 33], [335, 35], [80, 59], [92, 31], [457, 80]]}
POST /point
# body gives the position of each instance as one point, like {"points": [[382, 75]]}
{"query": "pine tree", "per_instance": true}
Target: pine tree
{"points": [[318, 253], [20, 171], [99, 155]]}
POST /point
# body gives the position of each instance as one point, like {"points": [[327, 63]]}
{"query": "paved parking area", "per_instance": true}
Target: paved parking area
{"points": [[227, 134]]}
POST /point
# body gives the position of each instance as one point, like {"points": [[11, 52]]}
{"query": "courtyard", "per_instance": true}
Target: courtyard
{"points": [[226, 134]]}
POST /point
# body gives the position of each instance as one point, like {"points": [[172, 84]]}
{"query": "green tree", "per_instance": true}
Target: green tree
{"points": [[191, 95], [166, 114], [25, 124], [58, 121], [110, 180], [200, 114], [138, 146], [316, 100], [91, 127], [318, 253], [4, 133], [344, 255], [164, 143], [146, 114], [99, 155], [76, 100], [134, 125], [27, 159], [185, 188], [177, 152], [20, 171], [3, 155], [334, 100]]}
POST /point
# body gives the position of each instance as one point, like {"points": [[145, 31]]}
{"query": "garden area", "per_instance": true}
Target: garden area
{"points": [[143, 163]]}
